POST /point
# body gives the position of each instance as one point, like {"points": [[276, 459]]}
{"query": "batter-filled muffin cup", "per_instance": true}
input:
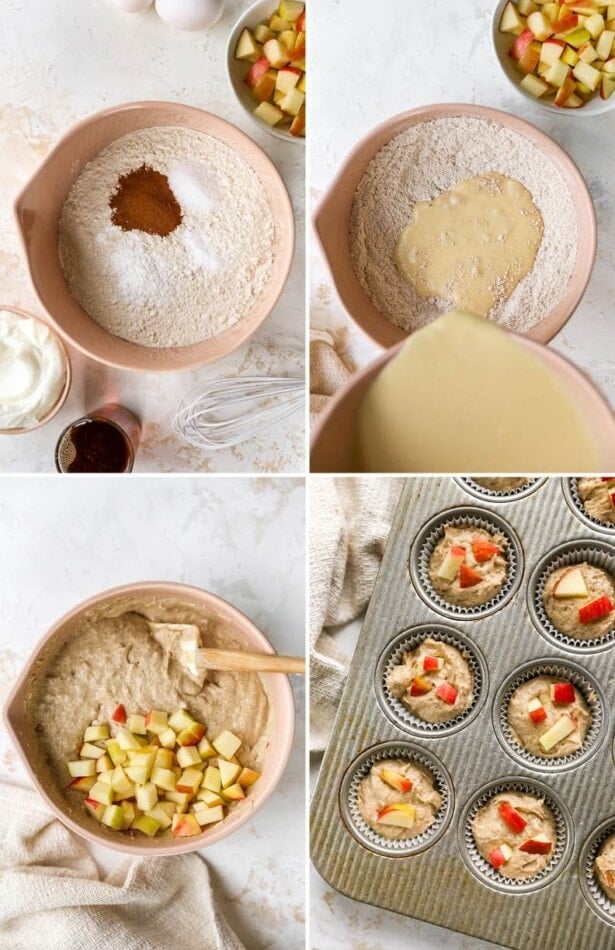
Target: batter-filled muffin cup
{"points": [[571, 595], [597, 870], [592, 500], [550, 715], [430, 680], [516, 835], [500, 489], [396, 799], [466, 562]]}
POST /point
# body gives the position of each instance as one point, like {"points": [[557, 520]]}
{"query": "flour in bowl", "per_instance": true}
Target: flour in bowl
{"points": [[206, 269], [421, 164]]}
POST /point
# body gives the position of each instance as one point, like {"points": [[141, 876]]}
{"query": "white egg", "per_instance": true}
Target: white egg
{"points": [[133, 6], [190, 14]]}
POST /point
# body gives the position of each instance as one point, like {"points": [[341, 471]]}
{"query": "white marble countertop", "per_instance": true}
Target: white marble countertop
{"points": [[240, 538], [398, 58], [61, 61]]}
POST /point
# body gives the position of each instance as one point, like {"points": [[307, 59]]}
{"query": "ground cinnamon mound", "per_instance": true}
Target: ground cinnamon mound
{"points": [[144, 201]]}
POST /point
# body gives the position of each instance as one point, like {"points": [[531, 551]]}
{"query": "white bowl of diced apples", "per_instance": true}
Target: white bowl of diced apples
{"points": [[266, 66], [559, 55]]}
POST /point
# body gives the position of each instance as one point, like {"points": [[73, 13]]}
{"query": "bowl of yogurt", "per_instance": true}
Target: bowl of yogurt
{"points": [[35, 372]]}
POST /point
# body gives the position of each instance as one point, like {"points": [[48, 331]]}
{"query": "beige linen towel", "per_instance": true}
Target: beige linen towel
{"points": [[350, 520], [330, 369], [53, 898]]}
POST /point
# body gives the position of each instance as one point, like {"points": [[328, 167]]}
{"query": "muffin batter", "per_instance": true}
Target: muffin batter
{"points": [[594, 493], [374, 794], [564, 612], [502, 484], [490, 831], [472, 245], [605, 867], [454, 670], [113, 658], [527, 734], [492, 572]]}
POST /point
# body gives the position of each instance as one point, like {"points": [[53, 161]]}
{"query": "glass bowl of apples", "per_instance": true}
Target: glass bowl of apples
{"points": [[559, 55], [267, 68]]}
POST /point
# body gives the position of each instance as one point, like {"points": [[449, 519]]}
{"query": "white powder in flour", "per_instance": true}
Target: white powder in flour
{"points": [[420, 164], [194, 283]]}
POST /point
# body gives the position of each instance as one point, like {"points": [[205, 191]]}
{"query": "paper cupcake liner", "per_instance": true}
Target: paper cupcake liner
{"points": [[433, 532], [599, 553], [393, 655], [591, 693], [349, 796], [481, 868], [591, 889], [570, 487], [487, 494]]}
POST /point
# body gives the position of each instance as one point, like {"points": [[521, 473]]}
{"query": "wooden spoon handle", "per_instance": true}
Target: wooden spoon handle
{"points": [[252, 662]]}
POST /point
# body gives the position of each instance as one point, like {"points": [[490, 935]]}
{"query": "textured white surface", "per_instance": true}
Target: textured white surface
{"points": [[407, 57], [61, 61], [66, 539]]}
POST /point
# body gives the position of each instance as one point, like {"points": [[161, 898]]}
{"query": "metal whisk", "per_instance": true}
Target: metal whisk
{"points": [[225, 412]]}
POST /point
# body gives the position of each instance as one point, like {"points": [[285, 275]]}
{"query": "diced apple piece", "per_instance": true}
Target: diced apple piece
{"points": [[139, 774], [206, 750], [247, 47], [167, 739], [169, 808], [447, 693], [292, 103], [523, 41], [120, 781], [146, 825], [100, 792], [570, 56], [187, 756], [159, 814], [558, 73], [302, 21], [164, 759], [234, 793], [396, 780], [104, 763], [156, 721], [604, 45], [211, 799], [399, 814], [189, 781], [207, 816], [595, 610], [525, 7], [105, 778], [511, 817], [185, 826], [609, 66], [130, 813], [278, 25], [212, 779], [262, 33], [419, 686], [453, 559], [91, 751], [192, 734], [499, 856], [147, 796], [276, 53], [594, 25], [587, 53], [119, 714], [552, 50], [226, 744], [535, 86], [468, 577], [165, 779], [432, 663], [565, 92], [113, 817], [559, 731], [287, 39], [571, 584], [288, 77], [539, 844], [83, 783], [117, 755], [229, 772], [96, 733], [577, 38], [562, 693], [539, 25], [181, 800], [302, 84], [127, 741], [136, 724], [291, 10], [81, 769], [262, 92], [96, 809], [607, 87], [536, 711], [510, 21]]}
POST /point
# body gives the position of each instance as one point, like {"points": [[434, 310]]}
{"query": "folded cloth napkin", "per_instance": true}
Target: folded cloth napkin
{"points": [[53, 897], [330, 368], [350, 520]]}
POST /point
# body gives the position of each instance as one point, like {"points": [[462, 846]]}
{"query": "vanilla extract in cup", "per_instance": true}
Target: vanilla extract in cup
{"points": [[104, 441]]}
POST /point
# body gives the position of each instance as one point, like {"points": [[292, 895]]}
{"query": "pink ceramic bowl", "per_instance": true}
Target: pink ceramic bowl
{"points": [[67, 384], [276, 686], [333, 436], [332, 220], [38, 208]]}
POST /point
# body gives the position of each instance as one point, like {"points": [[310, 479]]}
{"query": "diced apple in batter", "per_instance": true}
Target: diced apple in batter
{"points": [[399, 814], [559, 731], [95, 733], [181, 718], [571, 584], [226, 744]]}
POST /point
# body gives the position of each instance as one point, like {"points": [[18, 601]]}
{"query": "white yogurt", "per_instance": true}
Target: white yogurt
{"points": [[32, 371]]}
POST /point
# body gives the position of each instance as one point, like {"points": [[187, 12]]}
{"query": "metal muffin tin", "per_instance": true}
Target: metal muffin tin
{"points": [[445, 881]]}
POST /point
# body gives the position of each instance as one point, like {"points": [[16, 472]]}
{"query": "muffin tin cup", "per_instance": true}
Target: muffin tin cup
{"points": [[587, 686], [393, 655], [487, 494], [362, 832], [599, 553], [480, 867], [571, 494], [590, 887], [426, 541]]}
